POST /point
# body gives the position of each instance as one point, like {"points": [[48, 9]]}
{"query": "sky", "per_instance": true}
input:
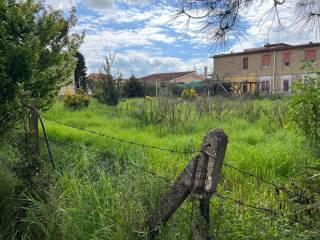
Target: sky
{"points": [[146, 39]]}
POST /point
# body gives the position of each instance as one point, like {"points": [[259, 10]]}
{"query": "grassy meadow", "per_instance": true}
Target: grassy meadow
{"points": [[105, 189]]}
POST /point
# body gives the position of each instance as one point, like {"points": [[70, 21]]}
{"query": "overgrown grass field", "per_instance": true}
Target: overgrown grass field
{"points": [[105, 188]]}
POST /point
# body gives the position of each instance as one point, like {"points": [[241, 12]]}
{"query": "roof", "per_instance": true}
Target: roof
{"points": [[269, 48], [165, 77], [94, 76]]}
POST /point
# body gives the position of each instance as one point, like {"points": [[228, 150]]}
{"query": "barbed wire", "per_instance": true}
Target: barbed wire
{"points": [[261, 179], [242, 171], [121, 139], [260, 209], [270, 211], [142, 168]]}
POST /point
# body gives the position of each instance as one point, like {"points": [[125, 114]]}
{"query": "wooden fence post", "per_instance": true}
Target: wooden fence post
{"points": [[34, 147], [200, 178], [208, 175]]}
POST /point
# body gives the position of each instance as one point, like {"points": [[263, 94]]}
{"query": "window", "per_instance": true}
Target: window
{"points": [[286, 59], [285, 86], [245, 63], [286, 83], [310, 55], [266, 61], [265, 86]]}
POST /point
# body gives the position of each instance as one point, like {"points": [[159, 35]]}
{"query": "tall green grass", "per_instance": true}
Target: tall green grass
{"points": [[103, 195]]}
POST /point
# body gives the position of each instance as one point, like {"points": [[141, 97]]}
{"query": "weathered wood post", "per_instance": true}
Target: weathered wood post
{"points": [[208, 173], [200, 178], [34, 148]]}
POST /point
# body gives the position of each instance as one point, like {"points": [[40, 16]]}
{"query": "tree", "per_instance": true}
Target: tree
{"points": [[224, 18], [80, 73], [107, 91], [37, 49], [133, 88]]}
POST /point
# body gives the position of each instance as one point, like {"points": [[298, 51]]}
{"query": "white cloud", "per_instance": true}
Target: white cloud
{"points": [[144, 62], [264, 26], [61, 4], [98, 4]]}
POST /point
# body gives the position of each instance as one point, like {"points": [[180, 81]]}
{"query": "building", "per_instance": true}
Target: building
{"points": [[68, 88], [164, 81], [269, 69], [173, 77]]}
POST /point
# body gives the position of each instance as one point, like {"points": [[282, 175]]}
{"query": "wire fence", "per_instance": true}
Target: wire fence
{"points": [[265, 210], [244, 172], [121, 139], [96, 151]]}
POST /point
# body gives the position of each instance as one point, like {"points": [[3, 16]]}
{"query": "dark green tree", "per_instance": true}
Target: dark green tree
{"points": [[133, 88], [37, 49], [80, 73]]}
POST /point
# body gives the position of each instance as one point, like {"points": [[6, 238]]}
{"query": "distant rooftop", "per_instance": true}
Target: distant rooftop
{"points": [[165, 77], [269, 48]]}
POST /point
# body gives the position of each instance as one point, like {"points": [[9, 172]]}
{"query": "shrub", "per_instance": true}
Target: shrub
{"points": [[189, 93], [78, 100], [305, 109], [133, 88]]}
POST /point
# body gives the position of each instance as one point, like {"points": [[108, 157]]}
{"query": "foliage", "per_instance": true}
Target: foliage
{"points": [[80, 73], [305, 107], [106, 195], [189, 93], [78, 100], [276, 115], [133, 88], [37, 48], [107, 91]]}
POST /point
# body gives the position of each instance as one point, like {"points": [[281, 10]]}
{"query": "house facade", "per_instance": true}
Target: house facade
{"points": [[269, 69]]}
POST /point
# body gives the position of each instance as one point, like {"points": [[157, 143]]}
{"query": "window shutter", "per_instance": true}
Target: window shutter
{"points": [[310, 55], [266, 59], [245, 63], [286, 57]]}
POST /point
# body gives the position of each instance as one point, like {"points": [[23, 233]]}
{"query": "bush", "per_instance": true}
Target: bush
{"points": [[107, 92], [189, 93], [305, 109], [133, 88], [79, 100]]}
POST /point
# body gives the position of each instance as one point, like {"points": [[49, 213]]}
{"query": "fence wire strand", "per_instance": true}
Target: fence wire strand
{"points": [[121, 139], [142, 168]]}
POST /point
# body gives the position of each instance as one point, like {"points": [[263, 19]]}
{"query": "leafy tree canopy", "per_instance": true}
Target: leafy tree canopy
{"points": [[37, 52]]}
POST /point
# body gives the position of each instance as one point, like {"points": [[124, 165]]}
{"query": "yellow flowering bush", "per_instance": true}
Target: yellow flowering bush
{"points": [[189, 93], [78, 100]]}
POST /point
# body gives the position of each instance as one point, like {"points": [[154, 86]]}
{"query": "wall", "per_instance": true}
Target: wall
{"points": [[231, 67]]}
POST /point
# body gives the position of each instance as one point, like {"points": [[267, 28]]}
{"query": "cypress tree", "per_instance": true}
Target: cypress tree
{"points": [[80, 73]]}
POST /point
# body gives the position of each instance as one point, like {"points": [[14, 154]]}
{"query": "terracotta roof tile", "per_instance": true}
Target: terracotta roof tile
{"points": [[165, 77]]}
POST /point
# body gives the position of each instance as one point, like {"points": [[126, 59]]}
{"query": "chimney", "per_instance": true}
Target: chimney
{"points": [[205, 72]]}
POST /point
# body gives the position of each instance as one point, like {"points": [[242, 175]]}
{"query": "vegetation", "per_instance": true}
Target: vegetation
{"points": [[78, 100], [189, 93], [36, 60], [80, 73], [305, 108], [107, 91], [133, 88], [106, 188]]}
